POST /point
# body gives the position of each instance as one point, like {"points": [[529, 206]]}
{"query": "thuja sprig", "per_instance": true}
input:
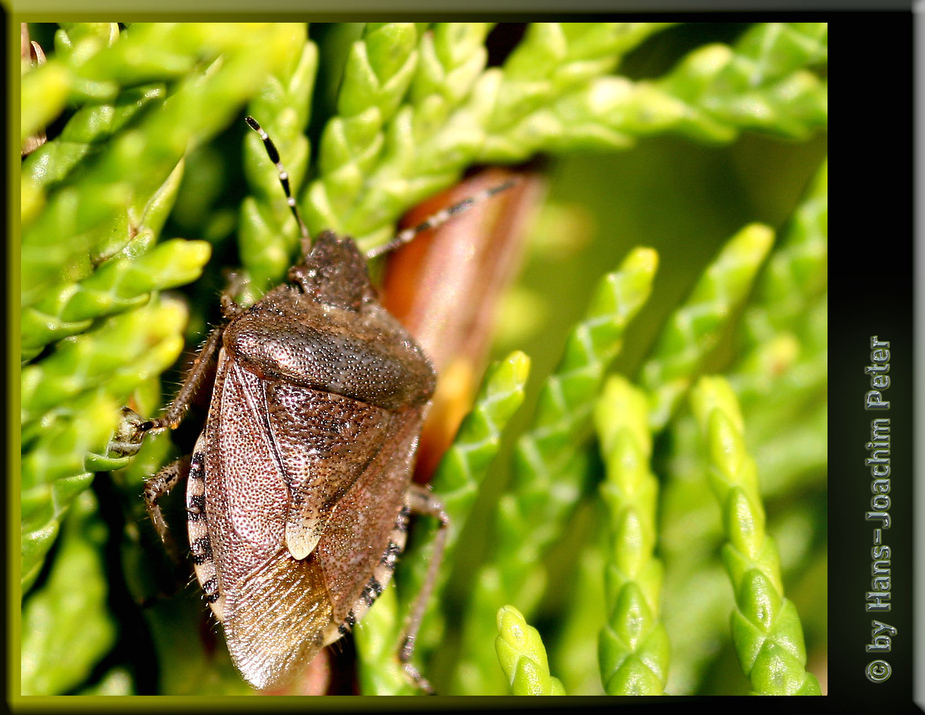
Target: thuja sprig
{"points": [[125, 345], [797, 270], [766, 628], [53, 473], [781, 321], [100, 210], [633, 646], [541, 496], [47, 92], [466, 463], [115, 207], [780, 374], [545, 95], [373, 166], [523, 657], [121, 283], [379, 69], [62, 616], [547, 468], [84, 135], [761, 82], [779, 378], [781, 332], [70, 405], [694, 328]]}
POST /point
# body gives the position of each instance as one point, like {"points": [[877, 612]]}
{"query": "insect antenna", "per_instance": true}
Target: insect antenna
{"points": [[440, 218], [283, 178]]}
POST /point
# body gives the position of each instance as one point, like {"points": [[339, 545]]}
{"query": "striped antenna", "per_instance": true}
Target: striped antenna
{"points": [[440, 218], [283, 176]]}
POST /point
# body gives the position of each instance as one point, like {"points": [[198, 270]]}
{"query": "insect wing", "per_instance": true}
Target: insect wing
{"points": [[285, 459], [323, 442], [245, 496], [273, 606], [279, 615], [276, 619], [361, 542]]}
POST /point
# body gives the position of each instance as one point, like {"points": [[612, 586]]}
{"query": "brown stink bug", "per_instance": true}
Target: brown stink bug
{"points": [[299, 486]]}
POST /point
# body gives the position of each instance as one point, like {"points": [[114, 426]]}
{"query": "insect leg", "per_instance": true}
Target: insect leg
{"points": [[156, 487], [129, 435], [198, 373], [193, 381], [127, 439], [423, 501], [237, 281]]}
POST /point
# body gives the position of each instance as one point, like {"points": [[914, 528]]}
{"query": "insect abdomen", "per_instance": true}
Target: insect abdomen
{"points": [[198, 530]]}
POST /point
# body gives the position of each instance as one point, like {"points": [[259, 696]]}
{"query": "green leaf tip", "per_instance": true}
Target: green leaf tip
{"points": [[522, 656], [766, 629]]}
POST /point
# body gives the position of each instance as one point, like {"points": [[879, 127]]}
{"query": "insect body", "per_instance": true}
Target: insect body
{"points": [[299, 485], [296, 497]]}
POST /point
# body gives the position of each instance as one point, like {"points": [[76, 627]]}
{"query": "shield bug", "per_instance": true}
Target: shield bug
{"points": [[299, 486]]}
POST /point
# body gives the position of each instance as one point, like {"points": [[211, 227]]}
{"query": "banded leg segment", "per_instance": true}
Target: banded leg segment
{"points": [[423, 502], [197, 526], [156, 487]]}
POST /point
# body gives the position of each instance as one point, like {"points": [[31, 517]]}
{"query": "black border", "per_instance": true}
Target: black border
{"points": [[871, 294]]}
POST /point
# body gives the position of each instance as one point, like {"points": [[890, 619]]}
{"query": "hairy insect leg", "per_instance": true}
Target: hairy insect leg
{"points": [[236, 282], [192, 383], [130, 433], [156, 487], [422, 501]]}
